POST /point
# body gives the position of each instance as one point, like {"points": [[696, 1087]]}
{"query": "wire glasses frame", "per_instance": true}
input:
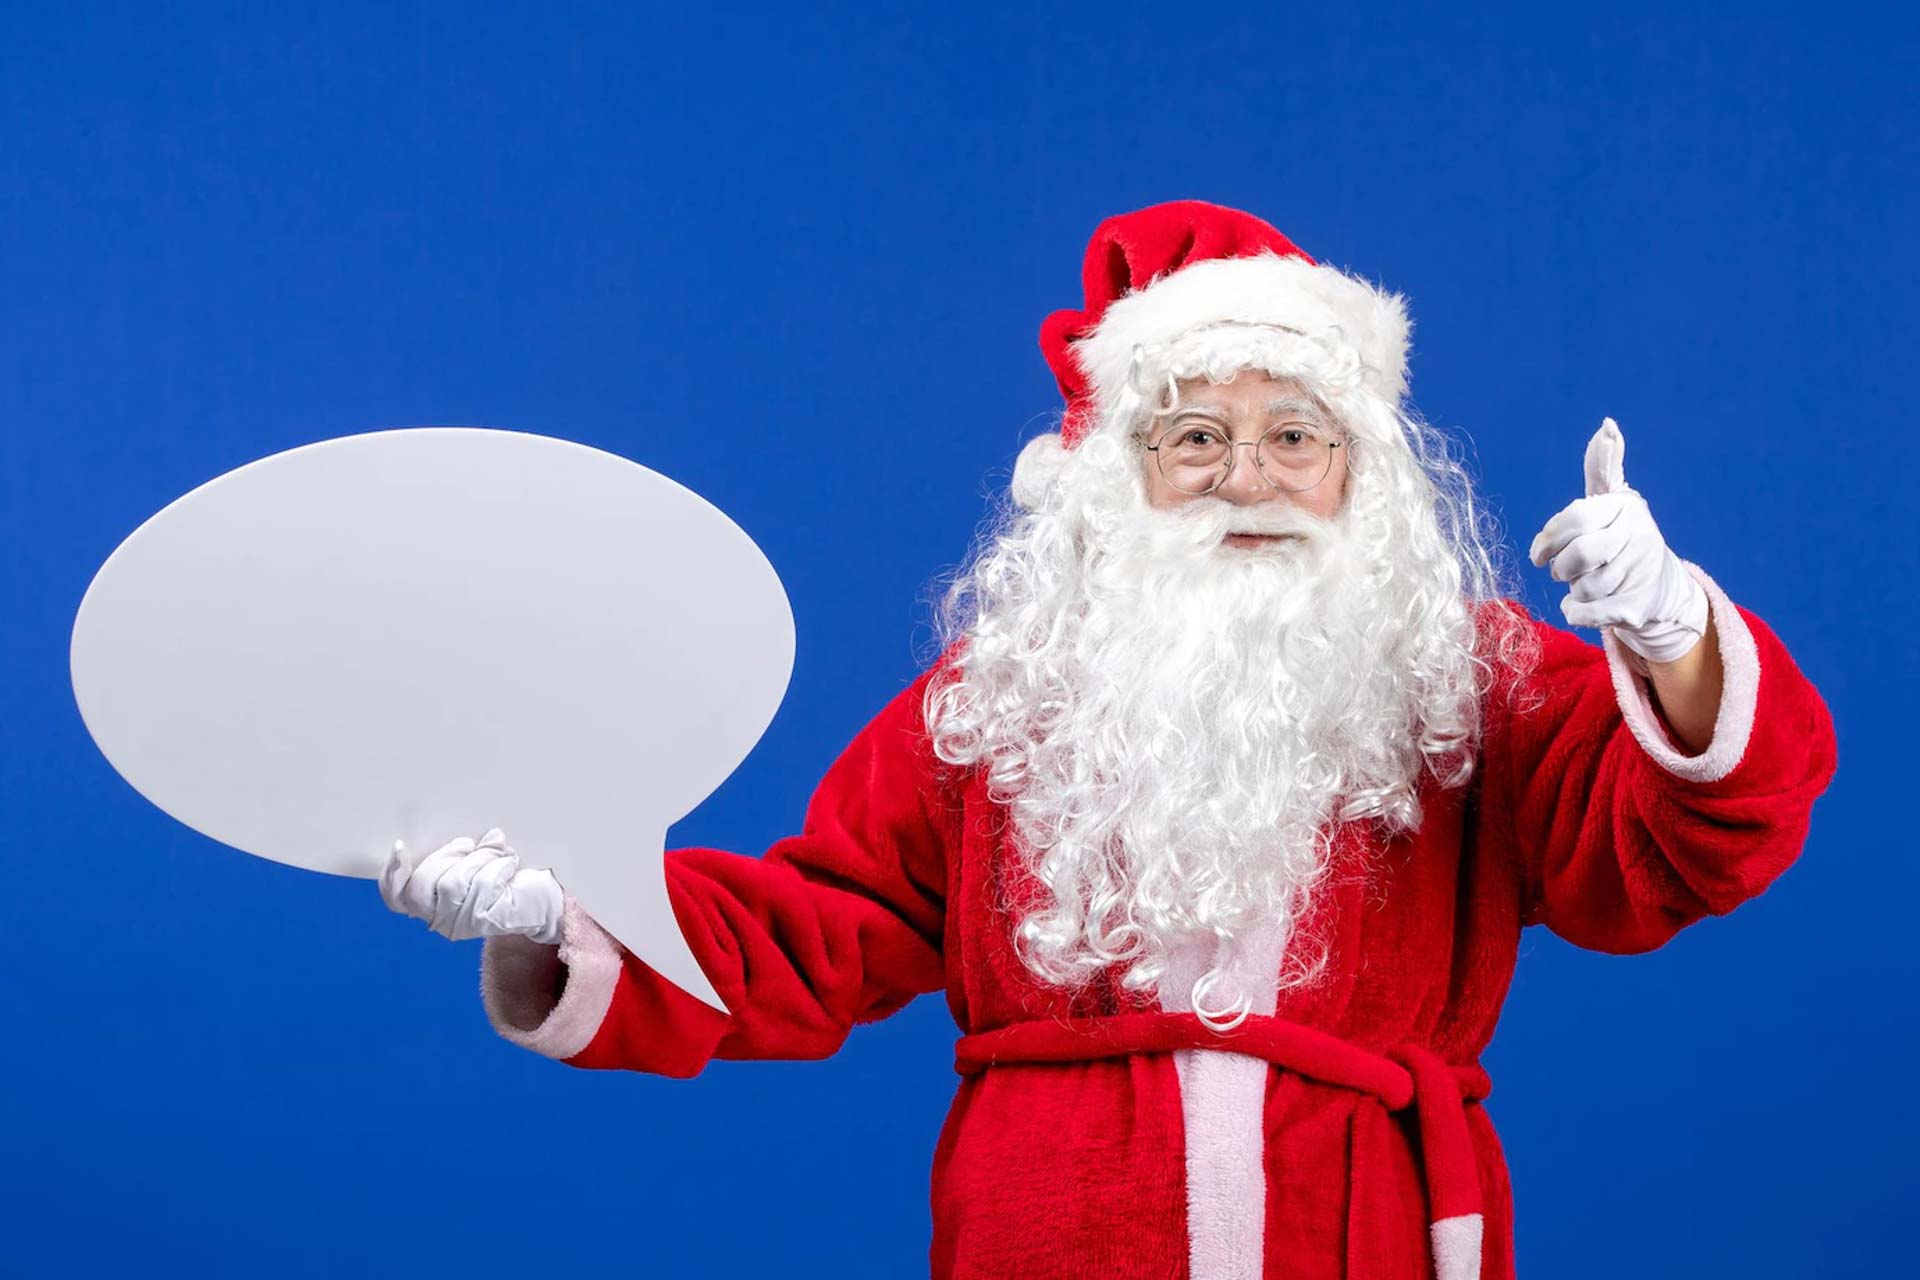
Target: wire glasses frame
{"points": [[1201, 467]]}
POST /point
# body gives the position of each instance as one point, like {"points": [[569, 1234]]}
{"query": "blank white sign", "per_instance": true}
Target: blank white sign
{"points": [[423, 633]]}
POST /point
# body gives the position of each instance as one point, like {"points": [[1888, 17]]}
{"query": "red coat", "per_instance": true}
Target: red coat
{"points": [[1343, 1137]]}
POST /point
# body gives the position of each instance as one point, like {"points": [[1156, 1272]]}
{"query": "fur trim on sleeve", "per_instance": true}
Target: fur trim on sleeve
{"points": [[1739, 694], [518, 976]]}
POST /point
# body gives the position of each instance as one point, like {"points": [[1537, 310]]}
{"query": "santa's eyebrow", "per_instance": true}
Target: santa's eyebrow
{"points": [[1285, 404], [1294, 404]]}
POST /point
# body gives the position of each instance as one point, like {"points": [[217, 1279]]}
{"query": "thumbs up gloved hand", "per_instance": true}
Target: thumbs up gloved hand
{"points": [[1618, 567], [469, 889]]}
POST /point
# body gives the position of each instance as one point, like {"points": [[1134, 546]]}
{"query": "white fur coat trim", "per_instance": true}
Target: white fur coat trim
{"points": [[1223, 1104]]}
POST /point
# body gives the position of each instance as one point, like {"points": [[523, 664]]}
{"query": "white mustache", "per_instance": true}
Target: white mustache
{"points": [[1195, 534], [1277, 522], [1220, 519]]}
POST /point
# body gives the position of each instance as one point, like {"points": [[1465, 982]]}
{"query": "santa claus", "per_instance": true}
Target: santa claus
{"points": [[1220, 814]]}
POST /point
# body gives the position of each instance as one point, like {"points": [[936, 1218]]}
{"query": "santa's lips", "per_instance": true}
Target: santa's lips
{"points": [[1252, 541]]}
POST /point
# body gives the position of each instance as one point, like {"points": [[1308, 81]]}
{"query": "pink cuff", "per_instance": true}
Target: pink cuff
{"points": [[1739, 694], [517, 977]]}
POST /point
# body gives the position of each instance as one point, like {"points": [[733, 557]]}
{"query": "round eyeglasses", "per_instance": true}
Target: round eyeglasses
{"points": [[1197, 458]]}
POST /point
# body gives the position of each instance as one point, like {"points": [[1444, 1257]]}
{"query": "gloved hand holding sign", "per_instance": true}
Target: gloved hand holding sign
{"points": [[406, 634], [469, 889]]}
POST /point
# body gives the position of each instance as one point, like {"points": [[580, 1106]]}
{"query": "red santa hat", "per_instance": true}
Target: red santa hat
{"points": [[1158, 273]]}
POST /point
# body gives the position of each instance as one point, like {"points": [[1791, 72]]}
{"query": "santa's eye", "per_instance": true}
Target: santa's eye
{"points": [[1189, 438]]}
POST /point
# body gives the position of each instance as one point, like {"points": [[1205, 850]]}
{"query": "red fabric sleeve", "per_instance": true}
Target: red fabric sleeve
{"points": [[1622, 838], [838, 925]]}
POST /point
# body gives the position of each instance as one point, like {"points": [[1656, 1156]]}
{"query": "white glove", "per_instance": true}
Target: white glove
{"points": [[465, 889], [1621, 572]]}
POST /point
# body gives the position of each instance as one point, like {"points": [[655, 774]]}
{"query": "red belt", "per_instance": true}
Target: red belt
{"points": [[1404, 1075]]}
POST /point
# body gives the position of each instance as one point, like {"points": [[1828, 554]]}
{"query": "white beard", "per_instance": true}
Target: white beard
{"points": [[1177, 725]]}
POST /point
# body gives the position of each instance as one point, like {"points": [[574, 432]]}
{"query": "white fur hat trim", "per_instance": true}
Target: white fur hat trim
{"points": [[1267, 288]]}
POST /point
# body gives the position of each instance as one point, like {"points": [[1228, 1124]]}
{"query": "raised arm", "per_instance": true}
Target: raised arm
{"points": [[838, 925], [1624, 837]]}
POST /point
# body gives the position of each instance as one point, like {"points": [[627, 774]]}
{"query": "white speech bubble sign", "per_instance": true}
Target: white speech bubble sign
{"points": [[422, 633]]}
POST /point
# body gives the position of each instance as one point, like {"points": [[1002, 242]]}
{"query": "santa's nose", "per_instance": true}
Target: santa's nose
{"points": [[1244, 485]]}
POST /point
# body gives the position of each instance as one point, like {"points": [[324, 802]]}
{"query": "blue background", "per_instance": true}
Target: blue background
{"points": [[224, 234]]}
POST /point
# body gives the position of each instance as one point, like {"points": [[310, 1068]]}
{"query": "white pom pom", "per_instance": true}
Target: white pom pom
{"points": [[1037, 467]]}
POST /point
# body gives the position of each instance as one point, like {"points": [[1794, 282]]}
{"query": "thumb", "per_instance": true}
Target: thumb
{"points": [[399, 867], [1606, 455]]}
